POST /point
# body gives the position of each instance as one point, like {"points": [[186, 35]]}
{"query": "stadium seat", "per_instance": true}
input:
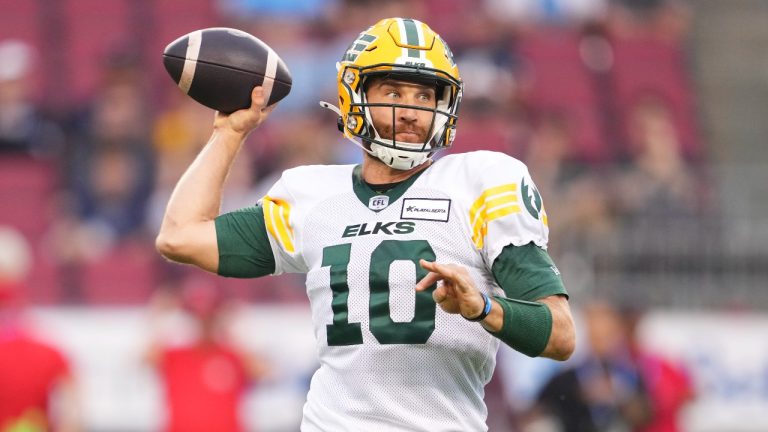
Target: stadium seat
{"points": [[27, 191], [561, 84], [124, 275], [94, 29], [649, 67]]}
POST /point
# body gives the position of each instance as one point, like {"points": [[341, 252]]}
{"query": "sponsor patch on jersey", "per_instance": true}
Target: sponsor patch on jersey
{"points": [[378, 202], [430, 209]]}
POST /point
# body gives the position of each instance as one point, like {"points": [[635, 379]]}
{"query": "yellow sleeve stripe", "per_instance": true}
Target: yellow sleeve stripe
{"points": [[493, 203], [492, 197], [277, 218]]}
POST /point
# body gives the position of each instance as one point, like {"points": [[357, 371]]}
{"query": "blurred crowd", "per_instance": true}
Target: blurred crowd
{"points": [[594, 95]]}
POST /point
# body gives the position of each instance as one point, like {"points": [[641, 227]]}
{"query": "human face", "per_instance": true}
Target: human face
{"points": [[410, 125]]}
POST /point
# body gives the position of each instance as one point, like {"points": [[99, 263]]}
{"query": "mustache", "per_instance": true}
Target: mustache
{"points": [[388, 131]]}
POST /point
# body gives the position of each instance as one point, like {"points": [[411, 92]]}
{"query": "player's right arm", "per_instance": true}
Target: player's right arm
{"points": [[188, 231]]}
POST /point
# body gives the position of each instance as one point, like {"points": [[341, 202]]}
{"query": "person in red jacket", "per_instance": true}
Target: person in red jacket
{"points": [[206, 376], [32, 371], [668, 382]]}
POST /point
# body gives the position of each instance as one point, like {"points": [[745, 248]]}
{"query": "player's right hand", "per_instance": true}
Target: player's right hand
{"points": [[246, 120], [457, 294]]}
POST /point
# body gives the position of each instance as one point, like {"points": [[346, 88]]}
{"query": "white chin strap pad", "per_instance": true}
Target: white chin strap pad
{"points": [[398, 159]]}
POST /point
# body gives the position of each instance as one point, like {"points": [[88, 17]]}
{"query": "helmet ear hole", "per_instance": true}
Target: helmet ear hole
{"points": [[340, 124]]}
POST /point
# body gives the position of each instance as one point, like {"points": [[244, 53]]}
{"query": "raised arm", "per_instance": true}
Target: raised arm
{"points": [[188, 234]]}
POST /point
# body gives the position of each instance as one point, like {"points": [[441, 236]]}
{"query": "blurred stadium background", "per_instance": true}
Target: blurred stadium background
{"points": [[643, 123]]}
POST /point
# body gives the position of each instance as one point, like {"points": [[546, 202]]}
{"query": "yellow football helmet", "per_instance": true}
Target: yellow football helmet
{"points": [[408, 50]]}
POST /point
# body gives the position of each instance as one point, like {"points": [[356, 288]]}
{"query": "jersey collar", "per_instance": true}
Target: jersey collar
{"points": [[365, 193]]}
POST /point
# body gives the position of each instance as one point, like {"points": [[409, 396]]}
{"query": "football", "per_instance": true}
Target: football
{"points": [[219, 67]]}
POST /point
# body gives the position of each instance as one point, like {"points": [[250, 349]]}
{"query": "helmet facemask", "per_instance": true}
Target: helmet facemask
{"points": [[404, 155]]}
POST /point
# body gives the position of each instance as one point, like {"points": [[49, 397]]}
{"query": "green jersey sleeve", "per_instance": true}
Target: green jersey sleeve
{"points": [[244, 249], [527, 273]]}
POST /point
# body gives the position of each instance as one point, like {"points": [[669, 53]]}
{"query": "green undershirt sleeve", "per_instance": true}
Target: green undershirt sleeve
{"points": [[244, 249], [526, 273]]}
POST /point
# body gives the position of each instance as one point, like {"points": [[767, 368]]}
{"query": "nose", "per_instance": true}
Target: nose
{"points": [[406, 114]]}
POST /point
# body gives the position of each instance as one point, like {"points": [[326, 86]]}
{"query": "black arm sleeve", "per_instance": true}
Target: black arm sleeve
{"points": [[527, 273], [244, 250]]}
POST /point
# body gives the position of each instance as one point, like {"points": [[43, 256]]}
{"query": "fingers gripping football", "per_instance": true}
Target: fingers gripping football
{"points": [[245, 120], [457, 293]]}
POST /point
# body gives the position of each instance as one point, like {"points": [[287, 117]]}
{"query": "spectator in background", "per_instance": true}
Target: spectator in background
{"points": [[493, 117], [34, 375], [23, 127], [112, 165], [206, 374], [669, 387], [578, 198], [656, 159], [602, 392], [659, 191]]}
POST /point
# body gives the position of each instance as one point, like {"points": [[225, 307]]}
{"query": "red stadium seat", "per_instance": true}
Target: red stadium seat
{"points": [[27, 194], [649, 67], [27, 191], [560, 83], [44, 283], [125, 275], [94, 28]]}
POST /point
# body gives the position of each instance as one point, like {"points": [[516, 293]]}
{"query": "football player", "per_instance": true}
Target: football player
{"points": [[416, 269]]}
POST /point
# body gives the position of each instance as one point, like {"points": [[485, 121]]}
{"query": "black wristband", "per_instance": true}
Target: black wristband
{"points": [[485, 312]]}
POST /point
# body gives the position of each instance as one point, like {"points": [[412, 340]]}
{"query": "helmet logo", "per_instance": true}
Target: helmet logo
{"points": [[358, 46], [448, 53], [378, 202], [349, 77]]}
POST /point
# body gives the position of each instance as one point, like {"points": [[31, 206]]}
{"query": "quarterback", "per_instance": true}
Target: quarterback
{"points": [[416, 270]]}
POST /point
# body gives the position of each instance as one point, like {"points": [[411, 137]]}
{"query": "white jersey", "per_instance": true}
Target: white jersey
{"points": [[390, 359]]}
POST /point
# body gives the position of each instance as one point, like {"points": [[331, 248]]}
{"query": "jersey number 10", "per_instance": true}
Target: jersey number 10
{"points": [[383, 328]]}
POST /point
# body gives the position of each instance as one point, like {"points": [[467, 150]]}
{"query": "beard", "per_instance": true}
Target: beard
{"points": [[410, 134]]}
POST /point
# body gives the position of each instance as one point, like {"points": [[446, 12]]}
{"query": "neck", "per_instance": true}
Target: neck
{"points": [[377, 172]]}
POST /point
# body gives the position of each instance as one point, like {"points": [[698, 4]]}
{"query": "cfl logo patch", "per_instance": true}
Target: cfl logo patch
{"points": [[378, 202]]}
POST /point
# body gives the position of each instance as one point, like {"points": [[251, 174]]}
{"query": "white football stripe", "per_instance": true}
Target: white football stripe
{"points": [[190, 63], [269, 75]]}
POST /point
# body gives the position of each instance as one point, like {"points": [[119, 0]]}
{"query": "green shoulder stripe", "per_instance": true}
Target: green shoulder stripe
{"points": [[244, 250]]}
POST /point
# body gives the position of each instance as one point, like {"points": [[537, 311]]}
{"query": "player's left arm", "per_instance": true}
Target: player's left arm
{"points": [[540, 328], [508, 225], [562, 337]]}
